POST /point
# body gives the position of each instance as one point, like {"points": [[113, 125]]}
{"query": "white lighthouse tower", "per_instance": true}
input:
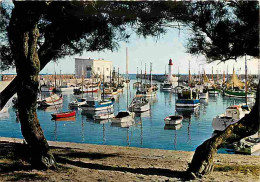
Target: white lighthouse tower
{"points": [[170, 66]]}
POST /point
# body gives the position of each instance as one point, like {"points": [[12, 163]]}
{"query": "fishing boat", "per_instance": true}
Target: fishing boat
{"points": [[166, 86], [232, 115], [46, 88], [145, 92], [248, 145], [65, 88], [173, 119], [78, 102], [188, 98], [94, 104], [104, 116], [123, 116], [213, 91], [51, 101], [237, 92], [139, 104], [204, 94], [66, 114]]}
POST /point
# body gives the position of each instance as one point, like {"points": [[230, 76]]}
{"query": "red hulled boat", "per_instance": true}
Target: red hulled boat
{"points": [[64, 114]]}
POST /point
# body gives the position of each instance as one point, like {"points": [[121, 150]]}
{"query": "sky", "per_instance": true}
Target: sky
{"points": [[157, 51], [142, 51]]}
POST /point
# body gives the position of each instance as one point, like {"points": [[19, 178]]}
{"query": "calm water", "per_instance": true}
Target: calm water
{"points": [[148, 131]]}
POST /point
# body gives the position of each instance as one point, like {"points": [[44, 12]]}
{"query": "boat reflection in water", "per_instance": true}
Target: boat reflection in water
{"points": [[91, 114], [187, 112], [73, 118], [50, 108], [173, 127], [126, 124], [146, 114]]}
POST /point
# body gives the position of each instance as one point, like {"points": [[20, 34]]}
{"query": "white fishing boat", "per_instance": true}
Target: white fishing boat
{"points": [[123, 116], [104, 116], [94, 104], [173, 119], [78, 102], [145, 92], [166, 86], [213, 91], [51, 101], [204, 94], [248, 145], [65, 88], [232, 115], [139, 104]]}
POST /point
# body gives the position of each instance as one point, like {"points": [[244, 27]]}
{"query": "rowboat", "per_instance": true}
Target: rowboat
{"points": [[123, 116], [64, 114], [51, 101], [173, 120]]}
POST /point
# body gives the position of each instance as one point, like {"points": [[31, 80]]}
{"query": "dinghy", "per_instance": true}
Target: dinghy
{"points": [[173, 120]]}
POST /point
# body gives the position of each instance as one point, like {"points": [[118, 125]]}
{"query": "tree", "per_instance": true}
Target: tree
{"points": [[224, 31], [41, 31]]}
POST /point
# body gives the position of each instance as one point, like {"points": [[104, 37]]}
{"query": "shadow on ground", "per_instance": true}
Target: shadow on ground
{"points": [[14, 163], [143, 171]]}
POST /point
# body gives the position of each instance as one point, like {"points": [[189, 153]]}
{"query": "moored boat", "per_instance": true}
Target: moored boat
{"points": [[51, 101], [139, 104], [78, 102], [232, 115], [94, 104], [66, 114], [173, 119], [123, 116], [104, 116], [188, 98]]}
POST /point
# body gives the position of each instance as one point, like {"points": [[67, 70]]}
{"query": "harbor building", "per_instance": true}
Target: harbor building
{"points": [[91, 68]]}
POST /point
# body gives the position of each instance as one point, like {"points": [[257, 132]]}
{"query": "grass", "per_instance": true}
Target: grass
{"points": [[246, 169]]}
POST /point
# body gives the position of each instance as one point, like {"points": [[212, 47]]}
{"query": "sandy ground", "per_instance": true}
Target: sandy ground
{"points": [[85, 162]]}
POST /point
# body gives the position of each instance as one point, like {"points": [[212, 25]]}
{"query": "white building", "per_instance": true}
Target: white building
{"points": [[92, 68]]}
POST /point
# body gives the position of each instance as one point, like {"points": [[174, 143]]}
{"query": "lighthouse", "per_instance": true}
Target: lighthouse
{"points": [[170, 71]]}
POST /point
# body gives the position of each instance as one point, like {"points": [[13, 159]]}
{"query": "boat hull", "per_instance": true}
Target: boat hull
{"points": [[64, 114], [187, 103], [100, 108]]}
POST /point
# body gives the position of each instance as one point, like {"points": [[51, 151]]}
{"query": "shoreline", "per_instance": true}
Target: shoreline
{"points": [[91, 162]]}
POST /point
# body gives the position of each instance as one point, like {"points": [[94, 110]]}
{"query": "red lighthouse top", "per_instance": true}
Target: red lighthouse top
{"points": [[170, 62]]}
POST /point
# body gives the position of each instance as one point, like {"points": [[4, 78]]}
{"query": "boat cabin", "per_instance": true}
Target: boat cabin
{"points": [[188, 94]]}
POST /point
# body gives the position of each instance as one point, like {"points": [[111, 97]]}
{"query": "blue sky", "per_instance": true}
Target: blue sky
{"points": [[158, 51]]}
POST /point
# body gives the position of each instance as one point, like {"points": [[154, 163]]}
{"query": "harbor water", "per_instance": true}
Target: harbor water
{"points": [[148, 130]]}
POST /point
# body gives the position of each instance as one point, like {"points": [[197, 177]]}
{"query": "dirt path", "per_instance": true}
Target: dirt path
{"points": [[85, 162]]}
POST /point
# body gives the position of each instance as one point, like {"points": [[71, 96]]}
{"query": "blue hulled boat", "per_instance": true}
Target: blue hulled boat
{"points": [[188, 98]]}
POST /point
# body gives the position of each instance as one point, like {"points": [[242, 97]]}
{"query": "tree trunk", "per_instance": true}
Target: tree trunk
{"points": [[23, 36], [202, 162]]}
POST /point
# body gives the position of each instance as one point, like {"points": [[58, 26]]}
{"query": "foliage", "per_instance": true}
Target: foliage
{"points": [[224, 30]]}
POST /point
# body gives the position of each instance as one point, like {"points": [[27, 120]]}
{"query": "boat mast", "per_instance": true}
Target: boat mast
{"points": [[212, 75], [151, 76], [178, 76], [189, 75], [126, 62], [103, 85], [82, 77], [54, 76], [145, 72], [137, 74], [118, 76], [246, 78]]}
